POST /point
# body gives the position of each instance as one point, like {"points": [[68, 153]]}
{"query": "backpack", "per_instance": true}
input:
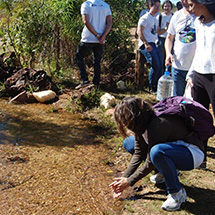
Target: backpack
{"points": [[197, 117]]}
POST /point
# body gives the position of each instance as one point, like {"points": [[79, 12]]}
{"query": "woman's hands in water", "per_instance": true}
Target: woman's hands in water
{"points": [[118, 186]]}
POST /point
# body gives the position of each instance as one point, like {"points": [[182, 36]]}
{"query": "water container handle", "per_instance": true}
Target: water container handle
{"points": [[167, 71]]}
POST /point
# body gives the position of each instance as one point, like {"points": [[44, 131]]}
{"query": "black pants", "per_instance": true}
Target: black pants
{"points": [[204, 92], [204, 89], [83, 50]]}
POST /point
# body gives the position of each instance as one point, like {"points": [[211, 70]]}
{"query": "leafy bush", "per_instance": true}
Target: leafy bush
{"points": [[47, 32], [88, 100]]}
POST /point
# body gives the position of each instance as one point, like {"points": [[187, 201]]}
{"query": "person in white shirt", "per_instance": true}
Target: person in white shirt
{"points": [[97, 17], [144, 10], [148, 35], [201, 75], [163, 23], [181, 33], [179, 5]]}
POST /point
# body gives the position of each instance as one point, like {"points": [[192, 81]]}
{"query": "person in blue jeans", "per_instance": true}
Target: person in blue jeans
{"points": [[148, 35], [181, 38], [128, 145], [164, 143]]}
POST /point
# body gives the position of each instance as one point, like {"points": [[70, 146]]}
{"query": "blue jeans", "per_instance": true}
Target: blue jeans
{"points": [[83, 50], [179, 78], [154, 59], [128, 144], [167, 158]]}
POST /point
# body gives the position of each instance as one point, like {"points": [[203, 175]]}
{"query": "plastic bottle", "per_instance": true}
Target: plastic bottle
{"points": [[165, 86]]}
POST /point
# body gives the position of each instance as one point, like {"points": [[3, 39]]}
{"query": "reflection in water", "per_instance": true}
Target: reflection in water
{"points": [[34, 124]]}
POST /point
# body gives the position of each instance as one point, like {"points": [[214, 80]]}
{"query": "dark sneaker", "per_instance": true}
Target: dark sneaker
{"points": [[203, 165], [153, 90], [82, 84], [174, 200]]}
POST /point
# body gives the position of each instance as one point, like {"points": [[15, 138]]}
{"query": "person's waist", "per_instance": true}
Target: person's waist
{"points": [[151, 43]]}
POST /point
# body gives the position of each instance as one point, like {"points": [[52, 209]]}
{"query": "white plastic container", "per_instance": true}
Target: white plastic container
{"points": [[44, 96], [165, 86]]}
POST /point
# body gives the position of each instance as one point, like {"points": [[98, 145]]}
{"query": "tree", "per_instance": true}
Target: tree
{"points": [[48, 32]]}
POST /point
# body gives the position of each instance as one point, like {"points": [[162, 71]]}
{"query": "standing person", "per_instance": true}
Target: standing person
{"points": [[144, 10], [179, 5], [147, 32], [201, 75], [163, 23], [165, 143], [97, 18], [181, 33]]}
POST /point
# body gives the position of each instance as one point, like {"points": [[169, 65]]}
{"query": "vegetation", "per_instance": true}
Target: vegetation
{"points": [[46, 33], [88, 100]]}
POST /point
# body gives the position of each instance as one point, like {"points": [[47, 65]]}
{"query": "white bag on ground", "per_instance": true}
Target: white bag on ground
{"points": [[44, 96], [107, 100]]}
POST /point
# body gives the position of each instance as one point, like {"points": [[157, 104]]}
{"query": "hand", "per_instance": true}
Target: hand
{"points": [[190, 82], [169, 60], [98, 36], [118, 186], [148, 47], [102, 39]]}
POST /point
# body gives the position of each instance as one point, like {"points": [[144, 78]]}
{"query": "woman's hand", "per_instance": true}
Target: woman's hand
{"points": [[118, 186], [190, 82]]}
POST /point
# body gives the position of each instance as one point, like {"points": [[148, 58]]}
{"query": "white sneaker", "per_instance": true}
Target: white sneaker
{"points": [[174, 200], [157, 178]]}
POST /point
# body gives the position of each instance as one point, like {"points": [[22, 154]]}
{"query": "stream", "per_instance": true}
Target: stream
{"points": [[52, 163]]}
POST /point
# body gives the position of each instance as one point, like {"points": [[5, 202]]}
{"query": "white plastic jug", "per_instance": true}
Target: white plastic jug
{"points": [[165, 86]]}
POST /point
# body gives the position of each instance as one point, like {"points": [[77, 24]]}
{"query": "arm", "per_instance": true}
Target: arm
{"points": [[162, 30], [108, 27], [143, 171], [168, 48], [140, 154], [189, 78], [140, 30], [120, 184], [85, 18]]}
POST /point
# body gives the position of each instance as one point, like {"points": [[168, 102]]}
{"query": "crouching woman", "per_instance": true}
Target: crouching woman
{"points": [[165, 143]]}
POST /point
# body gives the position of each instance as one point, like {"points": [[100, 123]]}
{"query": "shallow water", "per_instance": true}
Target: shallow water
{"points": [[52, 163], [36, 124]]}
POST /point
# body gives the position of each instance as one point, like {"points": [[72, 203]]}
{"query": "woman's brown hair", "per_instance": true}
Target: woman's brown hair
{"points": [[132, 113]]}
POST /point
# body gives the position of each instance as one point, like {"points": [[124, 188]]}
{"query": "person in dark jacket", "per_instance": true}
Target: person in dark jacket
{"points": [[165, 143]]}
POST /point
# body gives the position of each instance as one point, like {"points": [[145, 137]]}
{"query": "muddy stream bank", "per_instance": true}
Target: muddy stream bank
{"points": [[52, 163]]}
